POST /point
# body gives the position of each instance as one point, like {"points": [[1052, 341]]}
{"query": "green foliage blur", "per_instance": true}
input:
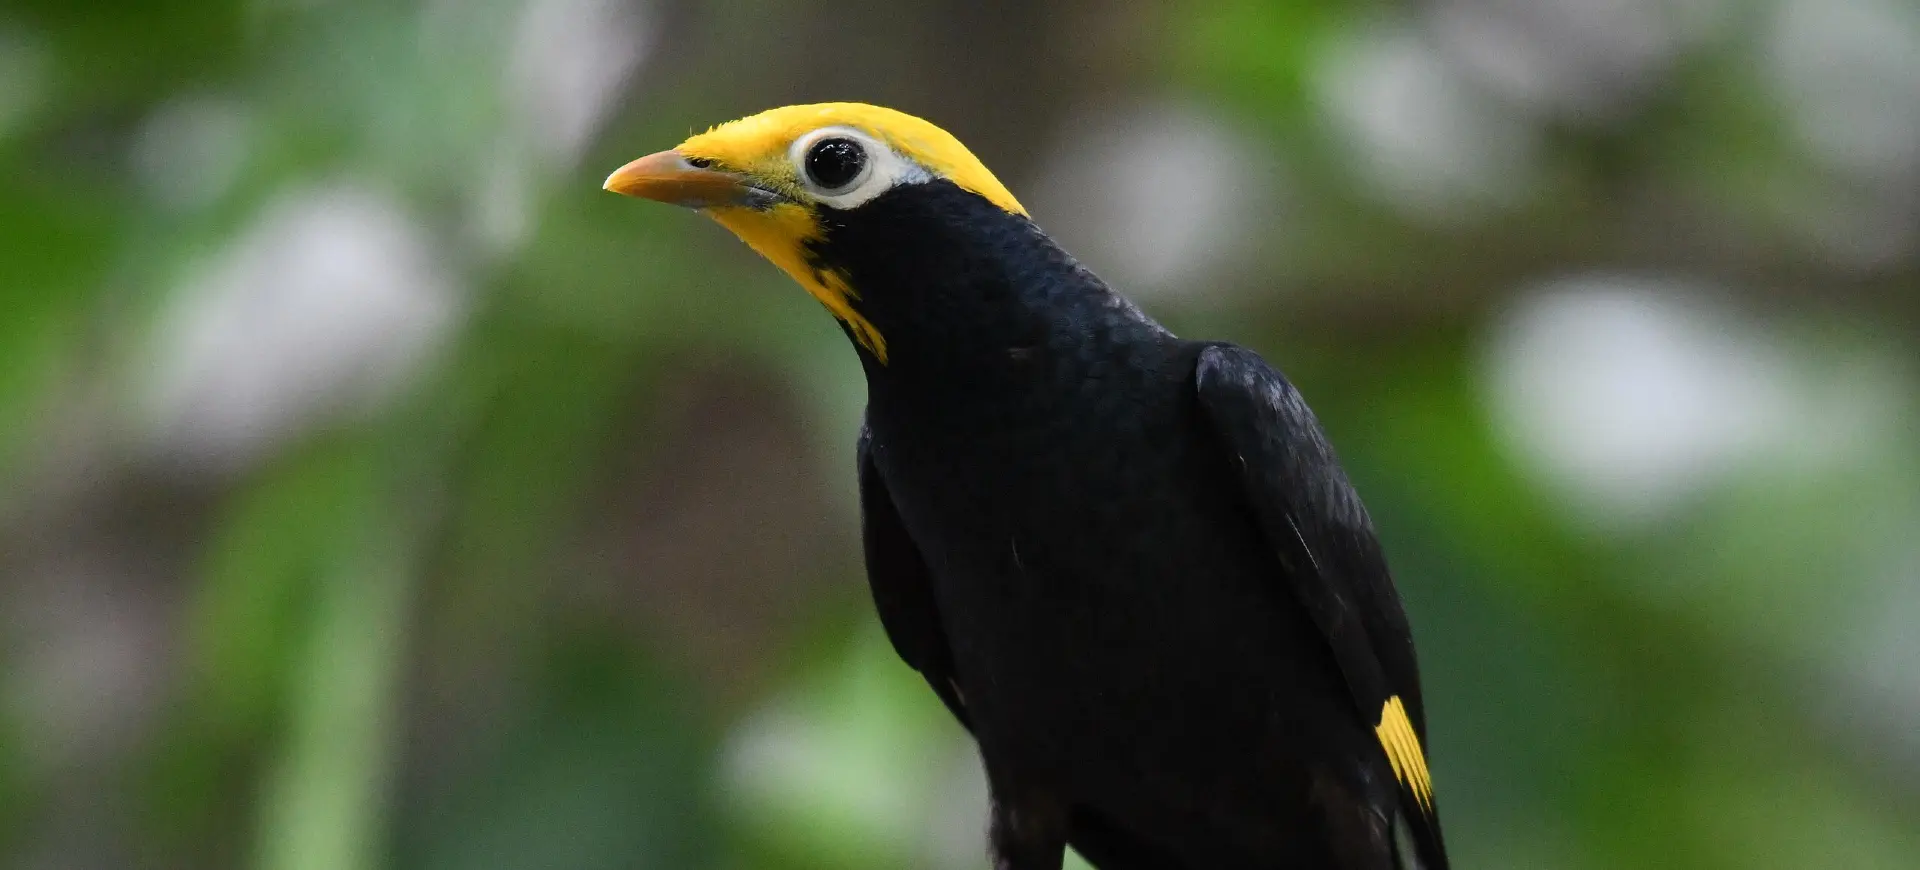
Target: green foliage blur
{"points": [[375, 491]]}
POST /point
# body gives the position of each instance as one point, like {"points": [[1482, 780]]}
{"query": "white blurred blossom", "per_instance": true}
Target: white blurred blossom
{"points": [[849, 756], [1630, 396], [569, 61], [1582, 59], [1847, 73], [327, 304], [1158, 197], [1431, 142]]}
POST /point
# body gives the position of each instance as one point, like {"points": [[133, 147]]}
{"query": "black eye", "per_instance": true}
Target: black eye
{"points": [[835, 163]]}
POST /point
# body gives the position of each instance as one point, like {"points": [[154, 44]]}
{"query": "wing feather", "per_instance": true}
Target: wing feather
{"points": [[902, 586], [1325, 541]]}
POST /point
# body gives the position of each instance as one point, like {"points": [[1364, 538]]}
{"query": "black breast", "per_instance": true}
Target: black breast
{"points": [[1116, 620]]}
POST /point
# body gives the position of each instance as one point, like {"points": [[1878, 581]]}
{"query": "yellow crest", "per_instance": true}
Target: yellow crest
{"points": [[757, 145]]}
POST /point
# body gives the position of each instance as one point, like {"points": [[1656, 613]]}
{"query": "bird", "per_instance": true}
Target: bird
{"points": [[1129, 564]]}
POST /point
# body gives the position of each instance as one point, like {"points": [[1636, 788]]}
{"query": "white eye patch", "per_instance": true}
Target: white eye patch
{"points": [[844, 168]]}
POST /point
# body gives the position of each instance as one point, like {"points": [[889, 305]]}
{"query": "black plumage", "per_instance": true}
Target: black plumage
{"points": [[1128, 563]]}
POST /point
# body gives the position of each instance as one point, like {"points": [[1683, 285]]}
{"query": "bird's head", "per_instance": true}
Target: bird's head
{"points": [[785, 179]]}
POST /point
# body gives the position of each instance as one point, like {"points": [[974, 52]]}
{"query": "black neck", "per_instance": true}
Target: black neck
{"points": [[965, 293]]}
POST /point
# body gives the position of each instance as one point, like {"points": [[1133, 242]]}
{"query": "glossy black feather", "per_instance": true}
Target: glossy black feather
{"points": [[1315, 521], [1069, 519], [902, 588]]}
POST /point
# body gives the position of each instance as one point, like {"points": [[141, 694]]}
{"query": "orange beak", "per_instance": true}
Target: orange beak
{"points": [[668, 177]]}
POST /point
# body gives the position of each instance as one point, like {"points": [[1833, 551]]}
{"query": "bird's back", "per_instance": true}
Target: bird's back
{"points": [[1116, 619]]}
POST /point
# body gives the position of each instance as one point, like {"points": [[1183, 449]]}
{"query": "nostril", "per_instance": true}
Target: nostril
{"points": [[700, 162]]}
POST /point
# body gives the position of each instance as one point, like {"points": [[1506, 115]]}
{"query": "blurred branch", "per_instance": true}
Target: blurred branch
{"points": [[1447, 281]]}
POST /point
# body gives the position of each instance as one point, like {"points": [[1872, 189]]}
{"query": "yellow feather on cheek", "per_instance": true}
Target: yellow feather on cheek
{"points": [[781, 234]]}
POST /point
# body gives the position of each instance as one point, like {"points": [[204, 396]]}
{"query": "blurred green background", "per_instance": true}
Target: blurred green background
{"points": [[377, 492]]}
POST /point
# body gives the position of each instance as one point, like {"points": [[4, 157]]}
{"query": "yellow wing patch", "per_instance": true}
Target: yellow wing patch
{"points": [[1403, 751]]}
